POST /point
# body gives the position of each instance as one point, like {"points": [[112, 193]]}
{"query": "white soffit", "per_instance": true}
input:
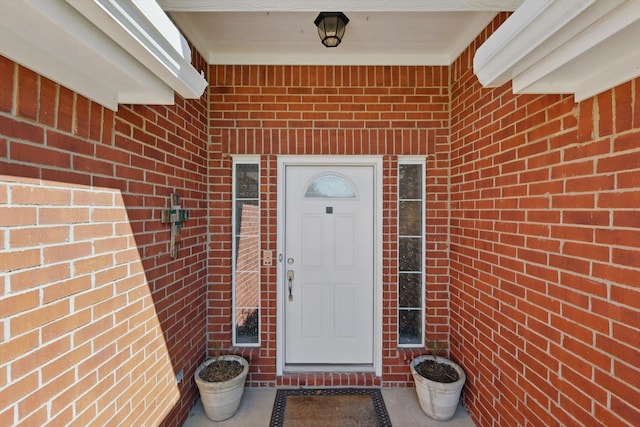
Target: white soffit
{"points": [[380, 32], [111, 51], [580, 47], [326, 5]]}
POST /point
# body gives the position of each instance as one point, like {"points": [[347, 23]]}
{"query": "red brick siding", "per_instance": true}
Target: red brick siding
{"points": [[273, 110], [545, 253], [96, 318], [532, 237]]}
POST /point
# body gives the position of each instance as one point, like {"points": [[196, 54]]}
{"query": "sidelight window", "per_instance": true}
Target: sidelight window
{"points": [[246, 252], [411, 207]]}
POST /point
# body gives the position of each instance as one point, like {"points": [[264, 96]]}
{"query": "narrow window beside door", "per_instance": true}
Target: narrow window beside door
{"points": [[410, 253], [246, 253]]}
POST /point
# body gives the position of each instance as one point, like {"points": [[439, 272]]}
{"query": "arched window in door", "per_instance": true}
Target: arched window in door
{"points": [[330, 187]]}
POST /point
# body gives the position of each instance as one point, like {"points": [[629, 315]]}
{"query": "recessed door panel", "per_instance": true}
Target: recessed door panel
{"points": [[344, 241], [313, 309], [346, 310], [311, 236]]}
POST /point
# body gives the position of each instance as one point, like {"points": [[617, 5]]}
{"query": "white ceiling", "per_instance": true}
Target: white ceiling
{"points": [[390, 32], [582, 47]]}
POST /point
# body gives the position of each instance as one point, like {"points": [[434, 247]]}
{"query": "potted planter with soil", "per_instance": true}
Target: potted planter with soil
{"points": [[221, 384], [439, 382]]}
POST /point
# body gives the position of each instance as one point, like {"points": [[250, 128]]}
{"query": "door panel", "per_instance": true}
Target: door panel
{"points": [[346, 308], [312, 231], [313, 308], [344, 242], [329, 250]]}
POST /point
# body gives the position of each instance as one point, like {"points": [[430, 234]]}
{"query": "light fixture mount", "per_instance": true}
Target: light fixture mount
{"points": [[331, 27]]}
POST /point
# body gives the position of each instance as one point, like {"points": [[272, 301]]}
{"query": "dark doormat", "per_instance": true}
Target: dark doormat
{"points": [[329, 407]]}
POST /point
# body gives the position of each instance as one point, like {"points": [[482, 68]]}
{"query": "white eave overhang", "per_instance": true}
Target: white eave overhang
{"points": [[111, 51], [579, 47]]}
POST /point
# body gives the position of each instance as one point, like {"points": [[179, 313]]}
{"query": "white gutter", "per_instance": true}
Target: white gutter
{"points": [[142, 29], [110, 51], [579, 47]]}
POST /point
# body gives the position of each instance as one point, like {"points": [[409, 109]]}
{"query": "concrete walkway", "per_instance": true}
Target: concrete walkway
{"points": [[257, 403]]}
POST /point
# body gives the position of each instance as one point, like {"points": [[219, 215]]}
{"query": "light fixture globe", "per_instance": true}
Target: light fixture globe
{"points": [[331, 27]]}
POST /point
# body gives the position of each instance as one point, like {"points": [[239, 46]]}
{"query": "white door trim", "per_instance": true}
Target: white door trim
{"points": [[376, 163]]}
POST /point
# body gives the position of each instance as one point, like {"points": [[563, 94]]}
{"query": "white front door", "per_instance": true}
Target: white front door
{"points": [[328, 262]]}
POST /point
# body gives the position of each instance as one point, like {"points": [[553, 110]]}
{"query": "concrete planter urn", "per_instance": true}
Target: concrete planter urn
{"points": [[438, 400], [221, 399]]}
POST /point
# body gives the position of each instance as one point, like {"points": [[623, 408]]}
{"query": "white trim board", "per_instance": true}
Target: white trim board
{"points": [[111, 51], [580, 47]]}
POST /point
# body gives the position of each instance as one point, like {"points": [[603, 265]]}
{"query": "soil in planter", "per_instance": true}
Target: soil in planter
{"points": [[439, 372], [221, 370]]}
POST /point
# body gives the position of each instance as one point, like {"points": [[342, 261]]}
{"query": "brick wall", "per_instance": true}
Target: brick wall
{"points": [[532, 237], [274, 110], [545, 253], [95, 317]]}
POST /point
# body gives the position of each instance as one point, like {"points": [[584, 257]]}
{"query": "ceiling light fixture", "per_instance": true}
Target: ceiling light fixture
{"points": [[331, 27]]}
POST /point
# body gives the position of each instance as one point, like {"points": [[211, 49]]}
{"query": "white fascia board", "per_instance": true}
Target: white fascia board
{"points": [[92, 53], [55, 67], [350, 6], [569, 35], [143, 30], [600, 38], [530, 26], [615, 73], [54, 40], [563, 47], [618, 61]]}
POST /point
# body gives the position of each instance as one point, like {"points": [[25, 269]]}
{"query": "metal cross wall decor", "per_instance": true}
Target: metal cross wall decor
{"points": [[176, 216]]}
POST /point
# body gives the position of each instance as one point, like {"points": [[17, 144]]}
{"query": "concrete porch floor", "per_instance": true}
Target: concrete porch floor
{"points": [[257, 403]]}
